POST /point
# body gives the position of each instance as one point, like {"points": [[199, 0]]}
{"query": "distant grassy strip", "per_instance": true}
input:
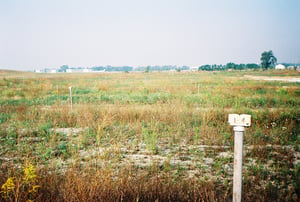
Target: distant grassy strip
{"points": [[206, 100]]}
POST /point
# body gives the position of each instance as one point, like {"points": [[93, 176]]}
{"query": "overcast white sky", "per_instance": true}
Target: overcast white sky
{"points": [[36, 34]]}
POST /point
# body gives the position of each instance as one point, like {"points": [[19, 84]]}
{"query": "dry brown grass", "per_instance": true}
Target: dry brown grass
{"points": [[126, 185]]}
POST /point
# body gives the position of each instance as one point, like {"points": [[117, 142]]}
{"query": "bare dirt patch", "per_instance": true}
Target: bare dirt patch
{"points": [[268, 78]]}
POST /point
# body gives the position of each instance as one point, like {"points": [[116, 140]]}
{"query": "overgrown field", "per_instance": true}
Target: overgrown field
{"points": [[146, 136]]}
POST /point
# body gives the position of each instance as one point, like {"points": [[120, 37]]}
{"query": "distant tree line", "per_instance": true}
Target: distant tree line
{"points": [[161, 68], [109, 68], [148, 68], [268, 60], [229, 65]]}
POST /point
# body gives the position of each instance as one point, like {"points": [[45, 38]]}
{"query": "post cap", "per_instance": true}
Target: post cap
{"points": [[239, 128]]}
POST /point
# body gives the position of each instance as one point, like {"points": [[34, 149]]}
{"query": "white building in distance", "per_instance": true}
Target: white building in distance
{"points": [[194, 68], [280, 67]]}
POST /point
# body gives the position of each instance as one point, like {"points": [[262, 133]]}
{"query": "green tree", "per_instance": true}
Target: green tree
{"points": [[267, 60], [64, 68], [231, 65], [147, 69]]}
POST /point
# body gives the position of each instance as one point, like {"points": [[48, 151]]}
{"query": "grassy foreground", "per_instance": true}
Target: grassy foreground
{"points": [[146, 136]]}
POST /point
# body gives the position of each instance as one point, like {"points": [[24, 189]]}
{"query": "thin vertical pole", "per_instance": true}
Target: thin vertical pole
{"points": [[57, 94], [238, 161], [71, 97]]}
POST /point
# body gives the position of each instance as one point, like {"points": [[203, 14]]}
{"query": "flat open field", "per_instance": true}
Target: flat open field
{"points": [[147, 136]]}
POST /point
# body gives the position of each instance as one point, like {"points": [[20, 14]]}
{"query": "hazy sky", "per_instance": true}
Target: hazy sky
{"points": [[37, 34]]}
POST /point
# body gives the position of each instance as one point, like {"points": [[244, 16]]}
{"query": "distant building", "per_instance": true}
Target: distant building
{"points": [[99, 71], [291, 67], [50, 71], [74, 70], [195, 68], [86, 70], [280, 66]]}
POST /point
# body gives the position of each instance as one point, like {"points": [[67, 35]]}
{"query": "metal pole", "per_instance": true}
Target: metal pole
{"points": [[238, 161], [71, 97]]}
